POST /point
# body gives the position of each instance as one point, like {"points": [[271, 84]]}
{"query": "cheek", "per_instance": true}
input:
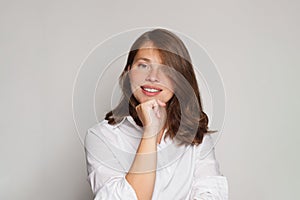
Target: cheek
{"points": [[169, 84], [135, 83], [136, 78], [170, 93]]}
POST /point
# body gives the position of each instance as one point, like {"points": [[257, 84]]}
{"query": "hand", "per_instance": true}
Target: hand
{"points": [[153, 115]]}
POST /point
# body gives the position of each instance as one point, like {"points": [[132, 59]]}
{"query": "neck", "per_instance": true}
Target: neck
{"points": [[159, 137]]}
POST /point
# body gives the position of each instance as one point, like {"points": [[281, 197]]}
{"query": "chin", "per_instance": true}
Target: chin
{"points": [[144, 99]]}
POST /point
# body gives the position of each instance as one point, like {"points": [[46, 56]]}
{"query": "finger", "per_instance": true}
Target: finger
{"points": [[157, 113], [155, 108], [138, 107], [161, 103]]}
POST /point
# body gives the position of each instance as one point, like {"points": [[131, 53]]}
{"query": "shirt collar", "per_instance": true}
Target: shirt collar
{"points": [[130, 120]]}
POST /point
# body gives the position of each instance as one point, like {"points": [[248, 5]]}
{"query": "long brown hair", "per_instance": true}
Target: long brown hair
{"points": [[186, 120]]}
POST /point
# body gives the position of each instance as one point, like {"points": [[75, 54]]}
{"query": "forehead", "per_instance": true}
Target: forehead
{"points": [[148, 53]]}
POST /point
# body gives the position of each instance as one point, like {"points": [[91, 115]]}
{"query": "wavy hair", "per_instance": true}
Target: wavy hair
{"points": [[186, 121]]}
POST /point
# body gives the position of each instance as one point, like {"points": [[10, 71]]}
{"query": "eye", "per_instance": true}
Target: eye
{"points": [[142, 65]]}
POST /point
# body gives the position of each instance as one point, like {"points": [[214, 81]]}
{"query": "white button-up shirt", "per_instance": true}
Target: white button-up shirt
{"points": [[183, 172]]}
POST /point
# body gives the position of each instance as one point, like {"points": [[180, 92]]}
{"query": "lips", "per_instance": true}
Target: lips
{"points": [[150, 90]]}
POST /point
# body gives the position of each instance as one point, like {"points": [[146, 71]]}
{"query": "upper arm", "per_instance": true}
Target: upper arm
{"points": [[105, 174], [205, 161], [208, 182]]}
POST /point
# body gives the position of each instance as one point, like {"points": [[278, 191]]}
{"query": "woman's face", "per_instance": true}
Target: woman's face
{"points": [[148, 77]]}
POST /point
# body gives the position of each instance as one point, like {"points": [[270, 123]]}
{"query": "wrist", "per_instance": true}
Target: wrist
{"points": [[150, 133]]}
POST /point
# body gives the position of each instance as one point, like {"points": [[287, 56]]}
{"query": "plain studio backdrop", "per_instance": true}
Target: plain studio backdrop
{"points": [[255, 45]]}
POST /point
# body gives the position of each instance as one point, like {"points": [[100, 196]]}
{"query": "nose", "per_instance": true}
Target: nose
{"points": [[153, 74]]}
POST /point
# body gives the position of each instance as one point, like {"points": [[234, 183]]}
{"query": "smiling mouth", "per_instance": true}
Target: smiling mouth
{"points": [[150, 90]]}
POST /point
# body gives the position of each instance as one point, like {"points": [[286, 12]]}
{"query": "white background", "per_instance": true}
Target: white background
{"points": [[255, 45]]}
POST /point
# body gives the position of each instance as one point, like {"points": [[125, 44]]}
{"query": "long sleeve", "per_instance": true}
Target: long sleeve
{"points": [[105, 177], [208, 183]]}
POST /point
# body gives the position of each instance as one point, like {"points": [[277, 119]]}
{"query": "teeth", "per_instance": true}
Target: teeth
{"points": [[151, 90]]}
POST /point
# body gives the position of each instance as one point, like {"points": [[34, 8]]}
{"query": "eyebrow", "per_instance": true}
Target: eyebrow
{"points": [[142, 58]]}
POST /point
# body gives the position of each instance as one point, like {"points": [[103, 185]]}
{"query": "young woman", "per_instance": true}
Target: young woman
{"points": [[155, 144]]}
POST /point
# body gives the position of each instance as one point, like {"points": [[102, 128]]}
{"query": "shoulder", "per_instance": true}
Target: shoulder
{"points": [[206, 147], [208, 143], [112, 134], [99, 139], [205, 161], [105, 142], [103, 126], [102, 130]]}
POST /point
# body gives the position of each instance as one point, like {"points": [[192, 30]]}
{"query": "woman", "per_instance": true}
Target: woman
{"points": [[155, 144]]}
